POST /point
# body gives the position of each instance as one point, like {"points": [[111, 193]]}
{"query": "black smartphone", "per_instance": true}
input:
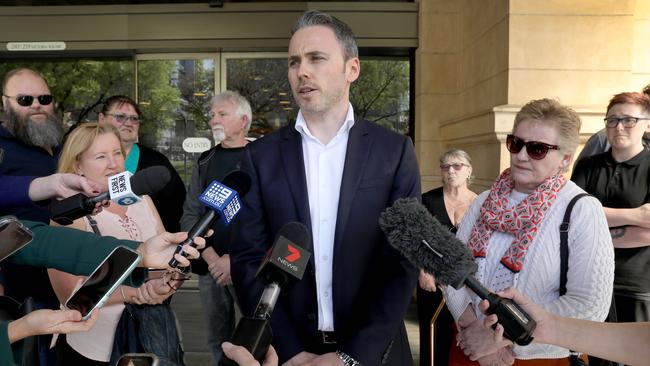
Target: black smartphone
{"points": [[13, 236], [104, 280], [138, 359]]}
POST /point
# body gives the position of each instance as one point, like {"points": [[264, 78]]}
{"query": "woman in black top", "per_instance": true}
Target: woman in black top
{"points": [[448, 205]]}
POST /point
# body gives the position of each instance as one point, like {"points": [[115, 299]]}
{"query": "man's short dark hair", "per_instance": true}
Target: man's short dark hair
{"points": [[342, 31]]}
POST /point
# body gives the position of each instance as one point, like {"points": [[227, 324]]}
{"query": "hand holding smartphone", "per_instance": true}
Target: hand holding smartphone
{"points": [[104, 280]]}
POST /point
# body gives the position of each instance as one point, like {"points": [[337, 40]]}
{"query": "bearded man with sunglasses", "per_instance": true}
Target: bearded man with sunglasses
{"points": [[513, 232], [620, 179], [30, 133], [30, 138]]}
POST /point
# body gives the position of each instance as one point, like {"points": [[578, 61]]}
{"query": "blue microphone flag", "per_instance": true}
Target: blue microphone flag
{"points": [[222, 199]]}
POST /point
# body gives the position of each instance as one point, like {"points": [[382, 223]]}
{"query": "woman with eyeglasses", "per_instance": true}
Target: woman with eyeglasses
{"points": [[513, 231], [620, 179], [124, 113], [448, 204], [95, 152]]}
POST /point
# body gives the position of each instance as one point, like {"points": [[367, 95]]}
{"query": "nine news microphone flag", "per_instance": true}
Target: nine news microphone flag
{"points": [[222, 200]]}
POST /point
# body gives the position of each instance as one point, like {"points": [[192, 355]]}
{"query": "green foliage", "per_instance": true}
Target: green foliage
{"points": [[180, 90], [197, 89], [264, 83], [78, 84], [159, 99], [381, 94]]}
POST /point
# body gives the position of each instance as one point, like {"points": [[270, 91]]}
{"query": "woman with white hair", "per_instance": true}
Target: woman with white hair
{"points": [[448, 204]]}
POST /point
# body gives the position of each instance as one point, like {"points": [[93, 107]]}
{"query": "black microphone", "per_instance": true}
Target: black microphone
{"points": [[121, 189], [285, 263], [222, 201], [410, 228]]}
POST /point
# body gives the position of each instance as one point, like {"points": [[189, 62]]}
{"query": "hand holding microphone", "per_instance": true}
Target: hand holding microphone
{"points": [[285, 263], [122, 189], [61, 185], [222, 200], [411, 229]]}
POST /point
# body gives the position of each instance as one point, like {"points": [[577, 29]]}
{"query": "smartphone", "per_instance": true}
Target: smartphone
{"points": [[13, 236], [103, 281], [138, 359]]}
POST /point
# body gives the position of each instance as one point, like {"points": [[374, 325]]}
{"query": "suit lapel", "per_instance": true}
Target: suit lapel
{"points": [[357, 153], [294, 167]]}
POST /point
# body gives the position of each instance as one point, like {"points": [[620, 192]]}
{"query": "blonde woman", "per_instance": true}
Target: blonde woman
{"points": [[95, 152]]}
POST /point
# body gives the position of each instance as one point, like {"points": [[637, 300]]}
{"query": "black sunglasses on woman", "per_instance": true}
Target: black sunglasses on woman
{"points": [[537, 150]]}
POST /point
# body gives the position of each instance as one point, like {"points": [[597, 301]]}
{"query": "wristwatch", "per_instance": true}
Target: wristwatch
{"points": [[347, 359]]}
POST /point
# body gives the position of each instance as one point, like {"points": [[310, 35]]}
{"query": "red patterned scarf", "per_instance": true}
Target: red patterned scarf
{"points": [[522, 220]]}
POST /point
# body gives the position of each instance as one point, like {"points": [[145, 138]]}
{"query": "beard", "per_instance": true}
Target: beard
{"points": [[47, 133], [219, 135]]}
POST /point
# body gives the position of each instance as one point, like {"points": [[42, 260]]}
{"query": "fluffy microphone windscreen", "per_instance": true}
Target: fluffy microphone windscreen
{"points": [[239, 181], [408, 223], [150, 180]]}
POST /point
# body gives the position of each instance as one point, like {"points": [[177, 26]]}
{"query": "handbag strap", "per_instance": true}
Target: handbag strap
{"points": [[93, 225], [574, 357], [564, 242]]}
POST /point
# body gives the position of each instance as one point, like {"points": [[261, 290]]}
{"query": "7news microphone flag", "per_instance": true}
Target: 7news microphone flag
{"points": [[285, 263]]}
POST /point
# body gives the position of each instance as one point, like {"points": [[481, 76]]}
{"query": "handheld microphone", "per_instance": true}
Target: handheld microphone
{"points": [[410, 228], [285, 263], [122, 189], [222, 201]]}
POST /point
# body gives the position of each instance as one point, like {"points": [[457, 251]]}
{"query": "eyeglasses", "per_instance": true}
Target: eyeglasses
{"points": [[627, 121], [172, 277], [456, 166], [27, 100], [122, 118], [537, 150]]}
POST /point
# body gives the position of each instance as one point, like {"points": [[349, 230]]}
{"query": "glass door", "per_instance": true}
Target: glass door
{"points": [[174, 93], [261, 78]]}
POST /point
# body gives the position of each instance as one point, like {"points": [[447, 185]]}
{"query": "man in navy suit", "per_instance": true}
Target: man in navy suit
{"points": [[335, 173]]}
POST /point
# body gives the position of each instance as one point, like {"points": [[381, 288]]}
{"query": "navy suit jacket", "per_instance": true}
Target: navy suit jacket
{"points": [[371, 282]]}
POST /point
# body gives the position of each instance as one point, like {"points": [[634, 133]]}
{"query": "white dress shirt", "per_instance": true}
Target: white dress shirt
{"points": [[324, 172]]}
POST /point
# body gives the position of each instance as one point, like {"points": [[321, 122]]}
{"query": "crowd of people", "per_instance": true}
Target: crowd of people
{"points": [[335, 172]]}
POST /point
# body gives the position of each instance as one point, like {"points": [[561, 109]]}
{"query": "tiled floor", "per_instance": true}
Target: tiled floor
{"points": [[189, 312]]}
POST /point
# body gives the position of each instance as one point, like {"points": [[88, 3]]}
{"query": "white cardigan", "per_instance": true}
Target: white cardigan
{"points": [[591, 265]]}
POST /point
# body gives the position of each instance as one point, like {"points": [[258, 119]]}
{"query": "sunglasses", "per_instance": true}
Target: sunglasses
{"points": [[535, 149], [27, 100], [122, 118], [456, 166]]}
